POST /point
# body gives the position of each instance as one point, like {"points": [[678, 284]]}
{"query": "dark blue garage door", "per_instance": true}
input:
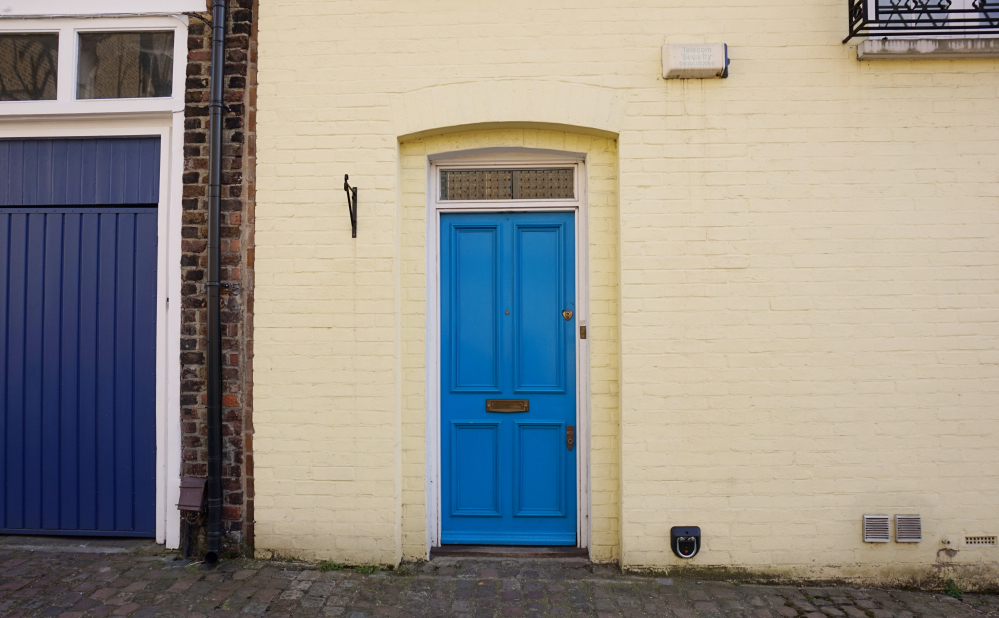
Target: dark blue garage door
{"points": [[78, 336]]}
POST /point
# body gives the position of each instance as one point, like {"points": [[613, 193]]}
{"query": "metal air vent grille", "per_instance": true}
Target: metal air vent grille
{"points": [[908, 529], [980, 540], [876, 529]]}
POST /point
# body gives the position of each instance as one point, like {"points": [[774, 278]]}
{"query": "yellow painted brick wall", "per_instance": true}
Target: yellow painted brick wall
{"points": [[808, 274]]}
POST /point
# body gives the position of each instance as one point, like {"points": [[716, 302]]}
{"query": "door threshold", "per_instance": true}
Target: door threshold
{"points": [[508, 551]]}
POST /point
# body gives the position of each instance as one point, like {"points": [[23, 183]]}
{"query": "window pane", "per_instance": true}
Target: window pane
{"points": [[28, 65], [477, 185], [119, 65], [539, 184]]}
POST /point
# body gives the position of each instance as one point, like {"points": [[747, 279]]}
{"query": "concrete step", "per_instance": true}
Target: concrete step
{"points": [[508, 551]]}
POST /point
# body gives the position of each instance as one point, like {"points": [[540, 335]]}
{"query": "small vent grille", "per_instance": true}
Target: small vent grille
{"points": [[876, 529], [980, 540], [908, 529]]}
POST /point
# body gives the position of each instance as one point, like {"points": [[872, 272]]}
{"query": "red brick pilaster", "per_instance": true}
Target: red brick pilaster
{"points": [[238, 152]]}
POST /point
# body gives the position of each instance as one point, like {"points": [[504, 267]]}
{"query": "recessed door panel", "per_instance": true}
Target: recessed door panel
{"points": [[539, 331], [474, 330], [508, 378], [475, 470], [540, 470]]}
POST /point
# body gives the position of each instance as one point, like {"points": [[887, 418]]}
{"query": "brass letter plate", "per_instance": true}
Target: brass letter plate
{"points": [[507, 405]]}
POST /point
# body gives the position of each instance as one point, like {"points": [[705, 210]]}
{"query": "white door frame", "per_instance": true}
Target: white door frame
{"points": [[162, 117], [519, 158], [168, 305]]}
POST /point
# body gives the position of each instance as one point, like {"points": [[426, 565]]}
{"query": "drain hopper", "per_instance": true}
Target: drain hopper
{"points": [[876, 529], [908, 529], [192, 493]]}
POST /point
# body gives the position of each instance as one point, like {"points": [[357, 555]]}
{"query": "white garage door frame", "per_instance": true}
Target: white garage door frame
{"points": [[163, 118]]}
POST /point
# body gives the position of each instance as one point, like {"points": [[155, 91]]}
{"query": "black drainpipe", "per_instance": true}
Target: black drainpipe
{"points": [[214, 361]]}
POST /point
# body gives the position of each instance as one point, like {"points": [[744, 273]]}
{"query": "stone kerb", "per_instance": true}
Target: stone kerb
{"points": [[505, 103]]}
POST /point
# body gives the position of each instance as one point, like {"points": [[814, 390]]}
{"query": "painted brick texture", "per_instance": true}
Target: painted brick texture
{"points": [[806, 259], [238, 144]]}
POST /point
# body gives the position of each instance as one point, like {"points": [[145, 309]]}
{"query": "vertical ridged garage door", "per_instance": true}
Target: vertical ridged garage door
{"points": [[78, 336]]}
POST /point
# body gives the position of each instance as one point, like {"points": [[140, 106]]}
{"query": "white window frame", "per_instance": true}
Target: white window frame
{"points": [[66, 8], [163, 117], [506, 158], [69, 51]]}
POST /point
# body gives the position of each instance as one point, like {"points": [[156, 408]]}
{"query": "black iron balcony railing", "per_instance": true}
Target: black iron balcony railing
{"points": [[923, 18]]}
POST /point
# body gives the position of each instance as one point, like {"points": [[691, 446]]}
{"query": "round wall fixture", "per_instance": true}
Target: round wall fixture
{"points": [[685, 541]]}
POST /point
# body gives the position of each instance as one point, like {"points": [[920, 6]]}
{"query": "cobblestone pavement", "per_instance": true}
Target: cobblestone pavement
{"points": [[73, 581]]}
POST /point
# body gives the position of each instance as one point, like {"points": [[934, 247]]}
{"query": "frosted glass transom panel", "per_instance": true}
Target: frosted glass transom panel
{"points": [[493, 184]]}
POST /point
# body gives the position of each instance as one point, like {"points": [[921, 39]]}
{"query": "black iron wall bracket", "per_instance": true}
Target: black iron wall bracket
{"points": [[351, 205]]}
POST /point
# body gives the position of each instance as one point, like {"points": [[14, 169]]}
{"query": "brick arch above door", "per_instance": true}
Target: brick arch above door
{"points": [[506, 104]]}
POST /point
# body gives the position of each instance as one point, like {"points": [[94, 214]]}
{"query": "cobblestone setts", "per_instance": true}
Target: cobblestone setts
{"points": [[73, 585]]}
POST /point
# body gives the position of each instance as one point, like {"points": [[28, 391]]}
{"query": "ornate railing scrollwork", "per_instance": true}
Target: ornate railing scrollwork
{"points": [[922, 18]]}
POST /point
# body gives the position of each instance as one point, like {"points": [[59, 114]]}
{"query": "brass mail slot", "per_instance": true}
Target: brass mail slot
{"points": [[507, 405]]}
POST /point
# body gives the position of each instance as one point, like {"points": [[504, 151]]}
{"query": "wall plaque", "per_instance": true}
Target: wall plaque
{"points": [[695, 61]]}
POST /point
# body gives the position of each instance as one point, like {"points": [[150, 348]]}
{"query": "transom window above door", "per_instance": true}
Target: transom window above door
{"points": [[508, 184]]}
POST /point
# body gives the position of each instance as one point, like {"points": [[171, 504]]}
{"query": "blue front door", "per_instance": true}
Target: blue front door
{"points": [[508, 379]]}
